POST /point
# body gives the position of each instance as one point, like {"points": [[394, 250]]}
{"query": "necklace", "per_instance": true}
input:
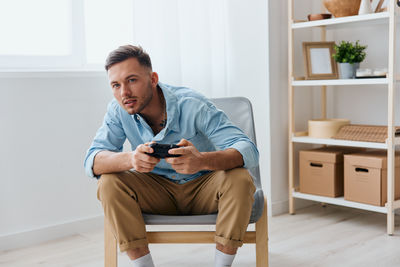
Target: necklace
{"points": [[164, 121]]}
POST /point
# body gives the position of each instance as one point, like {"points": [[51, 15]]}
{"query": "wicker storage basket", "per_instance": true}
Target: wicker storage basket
{"points": [[365, 133]]}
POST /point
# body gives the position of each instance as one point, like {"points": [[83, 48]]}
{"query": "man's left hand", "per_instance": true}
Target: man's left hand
{"points": [[190, 161]]}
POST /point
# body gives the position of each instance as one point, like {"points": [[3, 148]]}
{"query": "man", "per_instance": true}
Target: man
{"points": [[209, 176]]}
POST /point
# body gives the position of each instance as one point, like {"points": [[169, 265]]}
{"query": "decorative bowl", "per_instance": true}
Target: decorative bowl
{"points": [[342, 8], [318, 16]]}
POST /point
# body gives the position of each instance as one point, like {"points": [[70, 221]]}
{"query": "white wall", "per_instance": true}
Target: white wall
{"points": [[278, 49], [47, 124], [46, 127], [249, 72], [278, 104]]}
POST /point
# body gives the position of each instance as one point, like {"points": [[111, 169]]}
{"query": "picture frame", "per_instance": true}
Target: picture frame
{"points": [[318, 61]]}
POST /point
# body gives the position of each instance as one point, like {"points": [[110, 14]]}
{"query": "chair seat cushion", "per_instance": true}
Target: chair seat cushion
{"points": [[152, 219]]}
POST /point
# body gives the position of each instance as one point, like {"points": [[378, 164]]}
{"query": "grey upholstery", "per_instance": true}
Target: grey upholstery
{"points": [[239, 111]]}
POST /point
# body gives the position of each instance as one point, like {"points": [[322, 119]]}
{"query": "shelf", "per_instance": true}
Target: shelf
{"points": [[336, 142], [359, 20], [341, 202], [383, 81]]}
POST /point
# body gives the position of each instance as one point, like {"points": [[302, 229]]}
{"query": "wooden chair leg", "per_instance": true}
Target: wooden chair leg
{"points": [[110, 243], [262, 238], [110, 246]]}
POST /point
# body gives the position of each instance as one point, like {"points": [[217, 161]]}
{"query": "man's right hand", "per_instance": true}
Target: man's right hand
{"points": [[142, 162]]}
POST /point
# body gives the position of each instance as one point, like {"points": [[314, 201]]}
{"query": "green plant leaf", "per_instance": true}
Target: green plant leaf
{"points": [[348, 52]]}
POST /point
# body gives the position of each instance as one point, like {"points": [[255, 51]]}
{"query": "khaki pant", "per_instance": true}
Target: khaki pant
{"points": [[126, 195]]}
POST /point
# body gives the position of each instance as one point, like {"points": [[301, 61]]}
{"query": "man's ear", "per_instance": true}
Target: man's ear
{"points": [[154, 79]]}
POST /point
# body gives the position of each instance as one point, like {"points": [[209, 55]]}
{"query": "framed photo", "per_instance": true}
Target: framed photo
{"points": [[318, 61]]}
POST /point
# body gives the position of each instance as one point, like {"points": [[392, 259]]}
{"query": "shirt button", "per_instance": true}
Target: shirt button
{"points": [[173, 176]]}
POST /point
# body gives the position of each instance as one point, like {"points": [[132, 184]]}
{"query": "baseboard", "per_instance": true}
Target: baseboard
{"points": [[279, 207], [50, 232], [282, 207]]}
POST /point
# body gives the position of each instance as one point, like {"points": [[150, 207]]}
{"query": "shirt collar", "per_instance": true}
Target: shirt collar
{"points": [[173, 112]]}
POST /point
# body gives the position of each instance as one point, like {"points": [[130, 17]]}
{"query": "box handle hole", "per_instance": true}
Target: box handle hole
{"points": [[361, 170], [318, 165]]}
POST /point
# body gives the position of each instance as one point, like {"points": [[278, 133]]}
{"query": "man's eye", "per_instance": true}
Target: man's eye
{"points": [[115, 85], [132, 80]]}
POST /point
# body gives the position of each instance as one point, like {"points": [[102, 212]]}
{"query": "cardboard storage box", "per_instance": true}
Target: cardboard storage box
{"points": [[365, 177], [321, 170]]}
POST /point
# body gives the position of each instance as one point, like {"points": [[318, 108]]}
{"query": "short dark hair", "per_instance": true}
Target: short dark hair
{"points": [[128, 51]]}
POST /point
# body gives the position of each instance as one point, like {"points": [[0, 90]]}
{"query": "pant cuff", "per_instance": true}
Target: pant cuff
{"points": [[228, 242], [133, 244]]}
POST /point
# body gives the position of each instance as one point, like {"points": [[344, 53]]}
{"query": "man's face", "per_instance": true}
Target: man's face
{"points": [[133, 85]]}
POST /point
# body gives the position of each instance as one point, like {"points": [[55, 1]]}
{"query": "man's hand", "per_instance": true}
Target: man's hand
{"points": [[142, 162], [190, 161]]}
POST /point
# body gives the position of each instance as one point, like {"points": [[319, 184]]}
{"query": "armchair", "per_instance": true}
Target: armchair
{"points": [[239, 110]]}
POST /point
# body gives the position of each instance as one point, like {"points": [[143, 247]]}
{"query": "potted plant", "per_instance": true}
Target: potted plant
{"points": [[349, 56]]}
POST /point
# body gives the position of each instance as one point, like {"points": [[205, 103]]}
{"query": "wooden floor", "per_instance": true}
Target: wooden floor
{"points": [[315, 236]]}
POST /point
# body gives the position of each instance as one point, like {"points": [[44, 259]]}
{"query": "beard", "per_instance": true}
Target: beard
{"points": [[141, 102], [146, 100]]}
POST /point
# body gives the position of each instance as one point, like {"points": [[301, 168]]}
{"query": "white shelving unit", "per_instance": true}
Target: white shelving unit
{"points": [[335, 142], [386, 18], [383, 81], [335, 23], [339, 201]]}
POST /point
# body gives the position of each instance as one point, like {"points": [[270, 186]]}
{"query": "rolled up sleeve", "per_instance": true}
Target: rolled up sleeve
{"points": [[249, 153], [224, 134], [89, 160], [109, 137]]}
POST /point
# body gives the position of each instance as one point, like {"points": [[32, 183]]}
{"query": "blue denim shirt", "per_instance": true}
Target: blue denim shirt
{"points": [[189, 115]]}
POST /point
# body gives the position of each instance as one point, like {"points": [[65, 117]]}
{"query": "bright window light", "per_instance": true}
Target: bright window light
{"points": [[35, 28], [45, 34], [108, 24]]}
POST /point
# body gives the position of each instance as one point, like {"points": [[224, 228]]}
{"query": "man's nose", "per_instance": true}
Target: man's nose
{"points": [[125, 91]]}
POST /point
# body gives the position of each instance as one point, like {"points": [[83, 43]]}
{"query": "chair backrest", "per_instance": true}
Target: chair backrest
{"points": [[240, 112]]}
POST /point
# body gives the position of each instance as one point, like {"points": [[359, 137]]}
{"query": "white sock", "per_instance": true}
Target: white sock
{"points": [[145, 261], [222, 259]]}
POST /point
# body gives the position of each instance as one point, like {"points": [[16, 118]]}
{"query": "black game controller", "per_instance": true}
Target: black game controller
{"points": [[161, 150]]}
